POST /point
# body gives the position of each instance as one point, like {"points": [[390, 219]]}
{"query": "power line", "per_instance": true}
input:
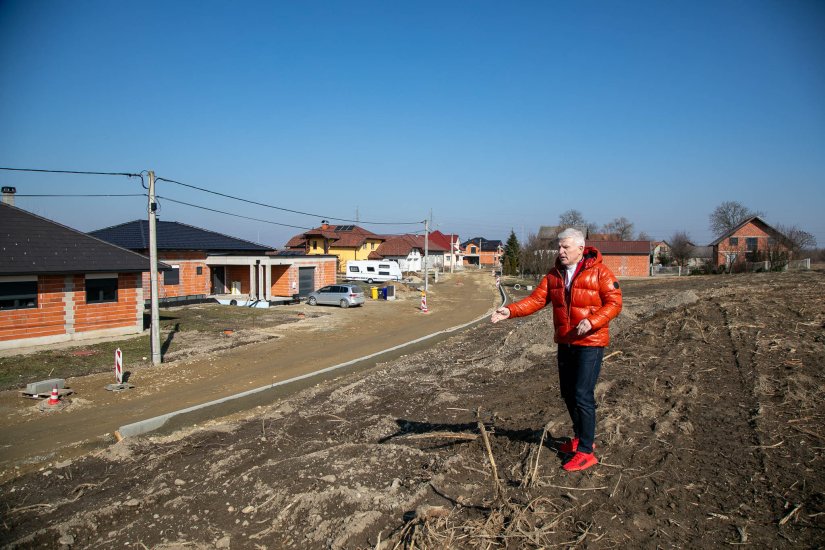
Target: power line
{"points": [[281, 208], [231, 213], [87, 195], [128, 174]]}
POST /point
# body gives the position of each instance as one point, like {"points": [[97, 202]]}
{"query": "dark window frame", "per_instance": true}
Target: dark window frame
{"points": [[100, 290], [171, 277], [733, 241], [18, 294]]}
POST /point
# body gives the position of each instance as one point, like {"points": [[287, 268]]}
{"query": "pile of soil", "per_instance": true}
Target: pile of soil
{"points": [[709, 434]]}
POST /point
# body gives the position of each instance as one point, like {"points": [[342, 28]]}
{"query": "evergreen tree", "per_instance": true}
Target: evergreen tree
{"points": [[512, 255]]}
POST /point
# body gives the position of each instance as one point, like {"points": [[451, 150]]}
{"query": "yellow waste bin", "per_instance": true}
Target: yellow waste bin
{"points": [[374, 290]]}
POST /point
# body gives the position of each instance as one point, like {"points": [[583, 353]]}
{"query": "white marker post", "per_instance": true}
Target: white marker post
{"points": [[120, 385], [119, 366]]}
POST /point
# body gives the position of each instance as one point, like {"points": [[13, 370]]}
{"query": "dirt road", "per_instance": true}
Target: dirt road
{"points": [[29, 436]]}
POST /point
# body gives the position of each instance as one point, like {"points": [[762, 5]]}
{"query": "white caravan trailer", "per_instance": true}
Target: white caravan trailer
{"points": [[373, 271]]}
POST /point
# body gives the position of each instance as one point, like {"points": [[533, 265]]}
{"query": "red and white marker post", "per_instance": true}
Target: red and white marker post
{"points": [[119, 366], [424, 303]]}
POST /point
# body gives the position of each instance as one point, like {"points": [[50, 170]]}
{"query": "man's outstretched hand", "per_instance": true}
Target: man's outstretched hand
{"points": [[500, 314]]}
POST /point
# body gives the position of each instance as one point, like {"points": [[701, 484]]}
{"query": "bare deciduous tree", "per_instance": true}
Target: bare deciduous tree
{"points": [[728, 215], [571, 218], [680, 247], [643, 236], [536, 258], [795, 239], [622, 228]]}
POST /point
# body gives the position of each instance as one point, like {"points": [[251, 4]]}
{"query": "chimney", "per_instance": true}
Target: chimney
{"points": [[8, 195], [324, 225]]}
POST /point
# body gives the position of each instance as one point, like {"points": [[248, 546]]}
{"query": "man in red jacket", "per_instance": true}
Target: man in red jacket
{"points": [[585, 296]]}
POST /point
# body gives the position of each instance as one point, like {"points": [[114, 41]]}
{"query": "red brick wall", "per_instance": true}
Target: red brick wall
{"points": [[110, 314], [282, 278], [285, 278], [627, 266], [45, 320], [190, 282], [49, 318]]}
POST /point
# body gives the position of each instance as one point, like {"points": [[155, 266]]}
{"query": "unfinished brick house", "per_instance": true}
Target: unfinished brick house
{"points": [[205, 264], [481, 252], [58, 284], [750, 241], [625, 258]]}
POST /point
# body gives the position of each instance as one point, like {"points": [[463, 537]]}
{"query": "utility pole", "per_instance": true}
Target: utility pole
{"points": [[154, 329], [426, 253]]}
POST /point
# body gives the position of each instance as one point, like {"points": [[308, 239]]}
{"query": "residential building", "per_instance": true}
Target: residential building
{"points": [[408, 251], [58, 284], [753, 240], [346, 242], [481, 252], [205, 264], [453, 256]]}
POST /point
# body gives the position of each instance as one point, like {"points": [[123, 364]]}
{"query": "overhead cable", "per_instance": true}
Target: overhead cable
{"points": [[128, 174], [281, 208], [231, 213]]}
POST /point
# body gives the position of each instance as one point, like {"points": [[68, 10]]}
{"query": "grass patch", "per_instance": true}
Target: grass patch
{"points": [[178, 328]]}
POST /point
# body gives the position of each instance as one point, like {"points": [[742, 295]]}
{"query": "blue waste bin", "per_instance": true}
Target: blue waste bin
{"points": [[384, 293]]}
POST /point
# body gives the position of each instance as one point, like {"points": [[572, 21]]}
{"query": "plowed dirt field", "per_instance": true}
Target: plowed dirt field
{"points": [[710, 434]]}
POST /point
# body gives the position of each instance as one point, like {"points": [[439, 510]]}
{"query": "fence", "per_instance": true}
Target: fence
{"points": [[798, 265]]}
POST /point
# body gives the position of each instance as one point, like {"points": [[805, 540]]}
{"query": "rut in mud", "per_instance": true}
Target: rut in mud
{"points": [[709, 433]]}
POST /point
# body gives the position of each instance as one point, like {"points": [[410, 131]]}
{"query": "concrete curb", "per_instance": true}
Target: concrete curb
{"points": [[151, 424]]}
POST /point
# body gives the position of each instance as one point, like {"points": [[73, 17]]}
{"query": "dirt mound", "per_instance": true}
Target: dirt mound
{"points": [[709, 430]]}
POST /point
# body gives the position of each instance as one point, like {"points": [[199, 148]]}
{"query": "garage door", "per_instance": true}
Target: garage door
{"points": [[306, 280]]}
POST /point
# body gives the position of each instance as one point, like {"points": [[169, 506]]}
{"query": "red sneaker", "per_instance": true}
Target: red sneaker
{"points": [[571, 446], [580, 461]]}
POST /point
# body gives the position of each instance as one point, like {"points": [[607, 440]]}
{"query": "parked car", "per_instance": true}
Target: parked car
{"points": [[337, 295]]}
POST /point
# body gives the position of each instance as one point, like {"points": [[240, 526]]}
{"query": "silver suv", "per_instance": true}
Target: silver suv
{"points": [[337, 295]]}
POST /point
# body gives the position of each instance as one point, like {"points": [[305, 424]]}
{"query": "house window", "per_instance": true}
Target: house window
{"points": [[472, 250], [372, 246], [99, 291], [314, 245], [172, 277], [751, 244], [199, 270], [18, 295], [733, 241]]}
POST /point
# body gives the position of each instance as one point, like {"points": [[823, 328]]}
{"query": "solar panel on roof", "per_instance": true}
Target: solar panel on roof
{"points": [[345, 228]]}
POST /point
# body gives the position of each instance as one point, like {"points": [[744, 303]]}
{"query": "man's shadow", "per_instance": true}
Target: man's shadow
{"points": [[526, 435]]}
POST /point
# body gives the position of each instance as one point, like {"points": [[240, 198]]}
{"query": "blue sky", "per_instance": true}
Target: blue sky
{"points": [[490, 115]]}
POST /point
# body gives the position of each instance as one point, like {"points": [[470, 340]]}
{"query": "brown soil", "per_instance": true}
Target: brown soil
{"points": [[710, 434]]}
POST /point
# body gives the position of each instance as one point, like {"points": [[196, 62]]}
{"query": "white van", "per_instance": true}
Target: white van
{"points": [[373, 271]]}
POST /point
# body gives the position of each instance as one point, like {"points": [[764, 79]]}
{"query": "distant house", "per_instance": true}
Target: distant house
{"points": [[750, 241], [453, 257], [206, 263], [60, 285], [700, 256], [346, 242], [481, 252], [408, 251], [625, 258], [660, 250]]}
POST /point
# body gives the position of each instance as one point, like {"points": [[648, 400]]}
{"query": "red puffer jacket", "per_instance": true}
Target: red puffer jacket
{"points": [[594, 295]]}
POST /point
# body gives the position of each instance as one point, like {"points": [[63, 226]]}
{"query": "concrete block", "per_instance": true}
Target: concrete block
{"points": [[45, 386]]}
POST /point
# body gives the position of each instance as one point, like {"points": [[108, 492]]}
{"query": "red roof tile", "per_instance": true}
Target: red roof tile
{"points": [[621, 247]]}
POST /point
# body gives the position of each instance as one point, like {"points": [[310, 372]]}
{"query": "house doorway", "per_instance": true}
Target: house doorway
{"points": [[219, 280]]}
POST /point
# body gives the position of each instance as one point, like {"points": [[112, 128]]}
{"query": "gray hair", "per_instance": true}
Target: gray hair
{"points": [[575, 234]]}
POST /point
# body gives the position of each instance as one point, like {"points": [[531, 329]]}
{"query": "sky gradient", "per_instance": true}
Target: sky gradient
{"points": [[491, 116]]}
